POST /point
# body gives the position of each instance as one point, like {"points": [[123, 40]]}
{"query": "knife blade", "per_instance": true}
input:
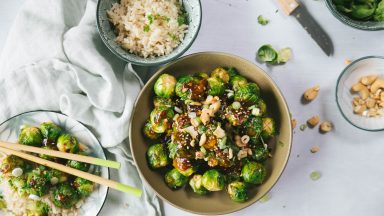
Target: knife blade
{"points": [[292, 7]]}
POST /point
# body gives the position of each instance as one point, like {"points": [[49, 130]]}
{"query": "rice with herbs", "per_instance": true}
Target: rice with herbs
{"points": [[149, 28]]}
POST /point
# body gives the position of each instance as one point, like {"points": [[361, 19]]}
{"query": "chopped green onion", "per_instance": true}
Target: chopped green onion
{"points": [[236, 105], [315, 175], [146, 28]]}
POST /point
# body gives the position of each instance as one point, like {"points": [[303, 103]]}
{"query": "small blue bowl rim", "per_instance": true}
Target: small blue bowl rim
{"points": [[337, 91], [348, 21], [154, 62]]}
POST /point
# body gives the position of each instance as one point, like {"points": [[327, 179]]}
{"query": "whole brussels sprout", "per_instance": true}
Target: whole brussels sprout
{"points": [[160, 101], [260, 154], [213, 180], [64, 196], [67, 143], [11, 162], [221, 73], [165, 86], [232, 72], [148, 131], [83, 186], [248, 93], [254, 126], [237, 81], [37, 208], [236, 116], [237, 191], [202, 75], [253, 172], [78, 165], [160, 119], [216, 86], [174, 179], [157, 157], [50, 131], [197, 185], [182, 87], [269, 128], [31, 136], [37, 182], [262, 107]]}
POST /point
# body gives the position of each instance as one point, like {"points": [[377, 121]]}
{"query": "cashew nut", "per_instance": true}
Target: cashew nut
{"points": [[325, 127], [362, 89], [368, 80], [378, 84], [311, 93], [359, 109], [370, 102], [313, 121]]}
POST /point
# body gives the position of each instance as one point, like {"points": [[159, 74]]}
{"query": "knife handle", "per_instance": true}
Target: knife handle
{"points": [[288, 6]]}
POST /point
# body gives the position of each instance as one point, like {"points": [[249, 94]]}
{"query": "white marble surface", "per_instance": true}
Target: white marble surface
{"points": [[350, 160]]}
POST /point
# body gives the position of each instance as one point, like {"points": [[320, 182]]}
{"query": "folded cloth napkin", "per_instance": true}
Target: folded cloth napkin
{"points": [[54, 59]]}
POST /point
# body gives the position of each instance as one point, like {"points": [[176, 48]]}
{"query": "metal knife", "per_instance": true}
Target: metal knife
{"points": [[292, 7]]}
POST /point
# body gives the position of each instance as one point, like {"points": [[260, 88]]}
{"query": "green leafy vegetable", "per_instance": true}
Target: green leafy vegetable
{"points": [[268, 54], [182, 19], [284, 55], [379, 13], [262, 21]]}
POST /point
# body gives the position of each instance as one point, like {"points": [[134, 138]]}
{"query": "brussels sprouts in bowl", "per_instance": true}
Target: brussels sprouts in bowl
{"points": [[209, 188]]}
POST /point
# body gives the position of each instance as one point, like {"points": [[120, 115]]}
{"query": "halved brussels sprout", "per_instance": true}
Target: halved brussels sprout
{"points": [[50, 131], [78, 165], [37, 182], [237, 191], [60, 176], [363, 11], [174, 179], [64, 196], [83, 186], [269, 128], [253, 172], [165, 86], [254, 126], [160, 101], [37, 208], [202, 75], [67, 143], [232, 72], [379, 13], [236, 116], [31, 136], [237, 81], [157, 157], [11, 162], [197, 185], [148, 131], [262, 107], [161, 119], [213, 180], [216, 86], [248, 93], [260, 154], [19, 184], [183, 86], [221, 73]]}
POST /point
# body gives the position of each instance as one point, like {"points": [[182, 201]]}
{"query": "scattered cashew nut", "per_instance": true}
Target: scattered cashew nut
{"points": [[311, 93], [313, 121], [326, 127]]}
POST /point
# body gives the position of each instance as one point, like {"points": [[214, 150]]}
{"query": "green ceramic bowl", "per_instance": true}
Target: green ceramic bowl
{"points": [[218, 202], [193, 9], [363, 25]]}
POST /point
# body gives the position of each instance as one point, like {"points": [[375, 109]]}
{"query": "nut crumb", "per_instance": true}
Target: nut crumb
{"points": [[293, 123], [313, 121], [315, 149], [347, 61]]}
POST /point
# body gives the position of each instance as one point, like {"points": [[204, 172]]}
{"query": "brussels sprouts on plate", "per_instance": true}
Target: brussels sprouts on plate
{"points": [[212, 132]]}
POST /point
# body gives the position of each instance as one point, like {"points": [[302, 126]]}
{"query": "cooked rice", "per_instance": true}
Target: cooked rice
{"points": [[148, 28]]}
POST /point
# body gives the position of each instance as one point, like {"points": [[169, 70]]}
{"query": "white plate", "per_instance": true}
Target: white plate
{"points": [[9, 131]]}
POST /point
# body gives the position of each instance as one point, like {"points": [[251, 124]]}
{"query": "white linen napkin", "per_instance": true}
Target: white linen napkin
{"points": [[54, 59]]}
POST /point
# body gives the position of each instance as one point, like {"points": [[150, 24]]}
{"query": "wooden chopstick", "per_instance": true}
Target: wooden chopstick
{"points": [[59, 154], [94, 178]]}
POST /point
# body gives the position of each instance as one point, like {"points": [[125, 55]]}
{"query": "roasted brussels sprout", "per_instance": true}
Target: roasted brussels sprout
{"points": [[232, 72], [182, 87], [50, 131], [83, 186], [56, 176], [216, 86], [37, 208], [165, 86], [202, 75], [175, 179], [160, 101], [64, 196], [237, 81], [237, 191], [269, 128], [78, 165], [31, 136], [262, 107], [260, 153], [379, 13], [67, 143], [221, 73], [11, 162], [253, 172], [248, 93], [253, 127], [157, 157], [160, 119], [197, 185], [37, 182], [19, 184], [148, 131], [236, 116], [213, 180]]}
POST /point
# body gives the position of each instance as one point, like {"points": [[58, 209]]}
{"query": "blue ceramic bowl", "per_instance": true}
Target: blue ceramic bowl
{"points": [[193, 9]]}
